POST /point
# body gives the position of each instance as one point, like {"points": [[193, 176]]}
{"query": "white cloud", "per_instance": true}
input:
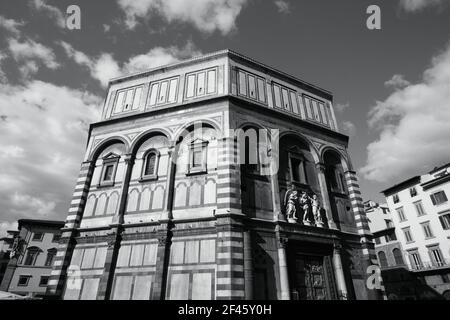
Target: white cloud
{"points": [[43, 135], [206, 15], [349, 128], [2, 73], [397, 81], [104, 67], [53, 12], [6, 226], [414, 126], [11, 151], [283, 6], [341, 107], [418, 5], [30, 206], [30, 55], [11, 25]]}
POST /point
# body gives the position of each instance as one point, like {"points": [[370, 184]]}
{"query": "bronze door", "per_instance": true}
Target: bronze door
{"points": [[310, 282]]}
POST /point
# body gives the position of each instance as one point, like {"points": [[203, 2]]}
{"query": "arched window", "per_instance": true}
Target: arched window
{"points": [[32, 254], [382, 258], [150, 169], [398, 257], [51, 254]]}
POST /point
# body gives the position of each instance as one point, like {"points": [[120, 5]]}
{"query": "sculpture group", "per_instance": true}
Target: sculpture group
{"points": [[303, 206]]}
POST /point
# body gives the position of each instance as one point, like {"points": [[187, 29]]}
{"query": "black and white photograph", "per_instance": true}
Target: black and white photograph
{"points": [[224, 150]]}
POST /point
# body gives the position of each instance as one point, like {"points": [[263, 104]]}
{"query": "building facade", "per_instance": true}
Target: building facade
{"points": [[215, 178], [421, 215], [388, 248], [32, 253], [6, 244]]}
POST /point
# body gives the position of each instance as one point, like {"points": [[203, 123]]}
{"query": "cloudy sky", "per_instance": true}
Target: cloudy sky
{"points": [[391, 86]]}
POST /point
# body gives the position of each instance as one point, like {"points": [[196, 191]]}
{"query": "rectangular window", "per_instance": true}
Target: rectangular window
{"points": [[108, 172], [419, 208], [201, 84], [56, 238], [298, 169], [413, 192], [261, 90], [198, 157], [23, 281], [153, 94], [401, 214], [307, 104], [315, 110], [128, 99], [416, 262], [286, 103], [407, 233], [38, 236], [395, 198], [137, 98], [445, 220], [323, 113], [277, 96], [163, 92], [173, 91], [438, 197], [377, 240], [43, 281], [436, 256], [211, 81], [252, 87], [242, 84], [295, 108], [119, 102], [190, 87], [427, 230]]}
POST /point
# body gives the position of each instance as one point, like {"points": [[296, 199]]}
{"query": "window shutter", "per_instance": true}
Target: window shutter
{"points": [[433, 199]]}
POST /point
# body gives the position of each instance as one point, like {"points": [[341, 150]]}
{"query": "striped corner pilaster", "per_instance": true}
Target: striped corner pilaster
{"points": [[362, 225], [229, 178], [230, 283], [67, 244]]}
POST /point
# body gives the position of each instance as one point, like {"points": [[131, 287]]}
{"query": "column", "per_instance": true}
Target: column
{"points": [[362, 225], [164, 231], [230, 282], [171, 171], [282, 264], [114, 236], [339, 273], [67, 243], [277, 213], [248, 265], [325, 196]]}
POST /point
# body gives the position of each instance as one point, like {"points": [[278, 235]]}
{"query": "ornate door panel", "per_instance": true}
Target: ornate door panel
{"points": [[310, 279]]}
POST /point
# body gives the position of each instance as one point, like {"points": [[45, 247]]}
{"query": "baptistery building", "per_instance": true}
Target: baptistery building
{"points": [[217, 177]]}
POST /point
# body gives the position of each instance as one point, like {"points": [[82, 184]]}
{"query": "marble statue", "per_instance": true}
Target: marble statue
{"points": [[315, 204], [307, 204], [291, 210]]}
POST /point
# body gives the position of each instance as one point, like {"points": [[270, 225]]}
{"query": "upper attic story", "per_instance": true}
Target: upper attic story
{"points": [[438, 176], [219, 74]]}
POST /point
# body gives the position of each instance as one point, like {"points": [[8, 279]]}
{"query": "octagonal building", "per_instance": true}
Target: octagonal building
{"points": [[217, 177]]}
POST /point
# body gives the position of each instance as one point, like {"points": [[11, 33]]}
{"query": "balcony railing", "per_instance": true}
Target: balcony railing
{"points": [[428, 265]]}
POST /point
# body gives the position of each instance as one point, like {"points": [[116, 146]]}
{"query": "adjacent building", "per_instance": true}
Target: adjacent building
{"points": [[6, 244], [218, 177], [32, 250], [421, 216]]}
